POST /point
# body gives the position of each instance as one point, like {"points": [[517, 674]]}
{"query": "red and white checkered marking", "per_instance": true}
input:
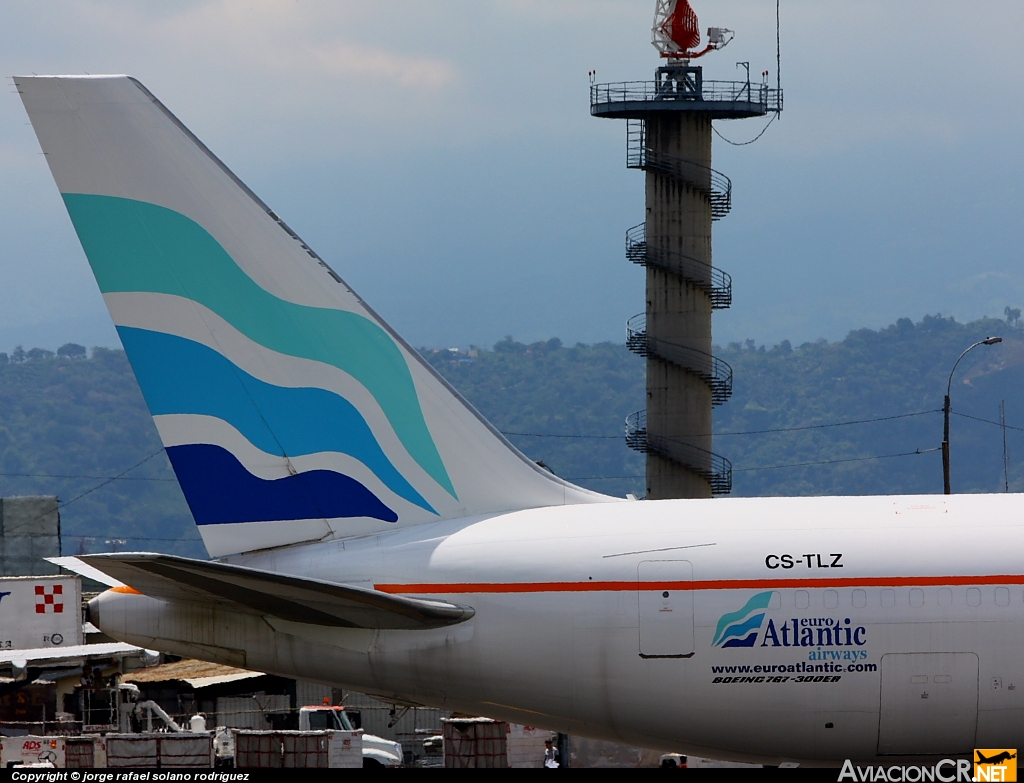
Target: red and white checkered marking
{"points": [[52, 600]]}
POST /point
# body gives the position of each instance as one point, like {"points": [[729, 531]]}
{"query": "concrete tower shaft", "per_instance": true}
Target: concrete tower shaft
{"points": [[678, 311]]}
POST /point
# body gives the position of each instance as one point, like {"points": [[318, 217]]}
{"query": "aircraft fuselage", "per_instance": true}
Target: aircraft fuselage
{"points": [[812, 629]]}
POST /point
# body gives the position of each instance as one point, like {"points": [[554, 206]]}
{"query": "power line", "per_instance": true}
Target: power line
{"points": [[987, 421], [777, 467], [100, 485], [112, 478], [836, 461], [69, 476], [778, 51], [599, 478], [539, 435], [836, 424], [778, 85], [745, 143], [751, 432]]}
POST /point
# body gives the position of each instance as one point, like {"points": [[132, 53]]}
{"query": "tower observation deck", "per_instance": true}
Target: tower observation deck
{"points": [[668, 134]]}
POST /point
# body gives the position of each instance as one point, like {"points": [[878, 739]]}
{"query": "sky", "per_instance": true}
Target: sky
{"points": [[442, 158]]}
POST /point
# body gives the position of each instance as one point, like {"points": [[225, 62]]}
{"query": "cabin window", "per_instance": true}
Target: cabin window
{"points": [[919, 679], [803, 599], [1002, 596], [945, 597], [917, 597], [860, 599], [888, 598], [973, 596], [831, 599]]}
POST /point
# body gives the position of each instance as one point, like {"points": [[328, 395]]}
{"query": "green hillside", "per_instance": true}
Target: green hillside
{"points": [[70, 424], [895, 371], [67, 425]]}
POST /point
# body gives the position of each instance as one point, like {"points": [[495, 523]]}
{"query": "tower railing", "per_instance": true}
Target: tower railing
{"points": [[760, 97], [710, 369], [715, 469], [710, 279]]}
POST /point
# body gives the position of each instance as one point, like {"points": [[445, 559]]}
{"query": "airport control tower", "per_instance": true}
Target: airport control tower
{"points": [[668, 134]]}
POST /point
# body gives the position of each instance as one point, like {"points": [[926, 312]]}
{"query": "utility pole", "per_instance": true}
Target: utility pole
{"points": [[1006, 453], [946, 410]]}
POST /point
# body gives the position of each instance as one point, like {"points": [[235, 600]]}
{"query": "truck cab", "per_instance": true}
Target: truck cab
{"points": [[377, 752]]}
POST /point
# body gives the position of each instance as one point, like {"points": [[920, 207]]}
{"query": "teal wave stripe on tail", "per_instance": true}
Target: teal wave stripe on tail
{"points": [[134, 246], [759, 601]]}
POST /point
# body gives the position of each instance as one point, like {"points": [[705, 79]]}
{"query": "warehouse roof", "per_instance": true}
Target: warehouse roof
{"points": [[198, 674]]}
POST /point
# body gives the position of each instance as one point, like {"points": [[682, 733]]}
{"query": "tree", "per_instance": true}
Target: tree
{"points": [[1012, 315], [71, 351], [4, 359], [36, 354], [18, 355]]}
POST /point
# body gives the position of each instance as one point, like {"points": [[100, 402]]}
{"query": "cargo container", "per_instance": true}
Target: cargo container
{"points": [[40, 612], [298, 749]]}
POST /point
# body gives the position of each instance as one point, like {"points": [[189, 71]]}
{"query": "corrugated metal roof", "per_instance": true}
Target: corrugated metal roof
{"points": [[198, 674], [77, 654]]}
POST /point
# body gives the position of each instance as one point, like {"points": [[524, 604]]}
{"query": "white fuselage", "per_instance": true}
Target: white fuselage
{"points": [[874, 626]]}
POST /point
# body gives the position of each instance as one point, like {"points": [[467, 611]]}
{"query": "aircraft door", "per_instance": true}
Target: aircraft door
{"points": [[929, 703], [665, 603]]}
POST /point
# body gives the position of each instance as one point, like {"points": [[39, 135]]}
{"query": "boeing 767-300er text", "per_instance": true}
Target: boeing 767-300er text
{"points": [[370, 530]]}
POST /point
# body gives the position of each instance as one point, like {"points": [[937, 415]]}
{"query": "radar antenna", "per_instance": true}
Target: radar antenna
{"points": [[675, 31]]}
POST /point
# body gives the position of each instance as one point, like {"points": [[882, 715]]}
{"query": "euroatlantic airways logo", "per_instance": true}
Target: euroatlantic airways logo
{"points": [[739, 629], [743, 628]]}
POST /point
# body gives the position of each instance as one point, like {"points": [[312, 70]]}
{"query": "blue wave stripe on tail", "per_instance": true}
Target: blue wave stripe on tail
{"points": [[219, 490], [183, 376]]}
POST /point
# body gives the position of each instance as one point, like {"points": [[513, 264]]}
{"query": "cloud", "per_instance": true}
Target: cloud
{"points": [[346, 60], [310, 42]]}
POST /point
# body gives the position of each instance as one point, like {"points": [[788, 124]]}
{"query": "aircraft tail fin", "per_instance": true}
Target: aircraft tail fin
{"points": [[290, 411]]}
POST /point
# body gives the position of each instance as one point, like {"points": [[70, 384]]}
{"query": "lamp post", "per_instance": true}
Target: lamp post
{"points": [[945, 411]]}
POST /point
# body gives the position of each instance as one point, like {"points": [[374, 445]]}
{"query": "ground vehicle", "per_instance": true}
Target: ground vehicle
{"points": [[376, 750]]}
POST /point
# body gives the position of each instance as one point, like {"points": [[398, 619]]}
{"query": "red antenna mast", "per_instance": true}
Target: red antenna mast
{"points": [[676, 33]]}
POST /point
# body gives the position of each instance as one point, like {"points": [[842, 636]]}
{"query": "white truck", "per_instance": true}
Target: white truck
{"points": [[377, 752]]}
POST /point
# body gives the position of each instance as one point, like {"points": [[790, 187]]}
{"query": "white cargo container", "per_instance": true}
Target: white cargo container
{"points": [[40, 611], [160, 751], [31, 749]]}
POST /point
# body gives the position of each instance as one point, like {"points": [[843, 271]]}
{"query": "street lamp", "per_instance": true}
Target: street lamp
{"points": [[945, 411]]}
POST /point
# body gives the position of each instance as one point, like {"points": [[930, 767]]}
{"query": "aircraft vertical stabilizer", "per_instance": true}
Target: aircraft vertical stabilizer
{"points": [[290, 411]]}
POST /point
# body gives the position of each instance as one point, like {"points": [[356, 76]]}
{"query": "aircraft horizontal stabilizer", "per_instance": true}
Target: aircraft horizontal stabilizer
{"points": [[287, 597]]}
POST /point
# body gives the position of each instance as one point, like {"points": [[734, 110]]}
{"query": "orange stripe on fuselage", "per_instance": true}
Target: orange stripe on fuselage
{"points": [[711, 584]]}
